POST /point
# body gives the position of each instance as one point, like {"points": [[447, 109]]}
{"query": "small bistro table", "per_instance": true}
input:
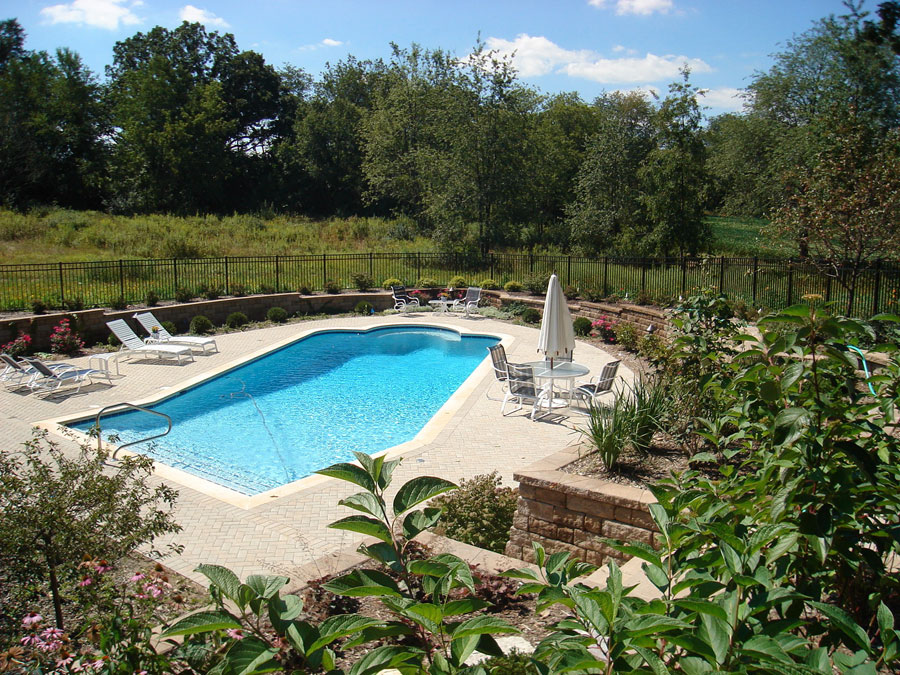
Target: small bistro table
{"points": [[561, 370]]}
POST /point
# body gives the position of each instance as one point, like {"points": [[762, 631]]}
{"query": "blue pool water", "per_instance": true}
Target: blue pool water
{"points": [[306, 406]]}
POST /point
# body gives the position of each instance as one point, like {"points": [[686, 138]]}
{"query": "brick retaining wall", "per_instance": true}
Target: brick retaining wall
{"points": [[568, 512]]}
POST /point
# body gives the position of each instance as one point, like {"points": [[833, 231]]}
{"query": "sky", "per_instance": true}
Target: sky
{"points": [[583, 46]]}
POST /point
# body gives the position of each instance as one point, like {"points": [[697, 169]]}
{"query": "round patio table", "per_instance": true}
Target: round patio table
{"points": [[562, 370]]}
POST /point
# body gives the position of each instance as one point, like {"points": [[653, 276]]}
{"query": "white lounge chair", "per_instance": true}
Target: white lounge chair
{"points": [[403, 300], [149, 322], [47, 380], [132, 344], [469, 302], [20, 373]]}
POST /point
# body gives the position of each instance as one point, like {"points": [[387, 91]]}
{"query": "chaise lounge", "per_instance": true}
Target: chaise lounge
{"points": [[132, 344], [162, 336]]}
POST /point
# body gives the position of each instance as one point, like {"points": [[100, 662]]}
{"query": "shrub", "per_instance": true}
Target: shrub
{"points": [[118, 304], [581, 325], [643, 297], [363, 307], [17, 347], [210, 292], [238, 290], [514, 663], [64, 340], [277, 315], [512, 287], [458, 282], [536, 284], [200, 325], [593, 294], [489, 285], [305, 289], [113, 341], [75, 304], [151, 299], [183, 295], [428, 282], [332, 286], [38, 306], [479, 513], [515, 308], [266, 289], [627, 335], [236, 320], [605, 329], [170, 327], [391, 282], [531, 315], [570, 292], [652, 348], [363, 282]]}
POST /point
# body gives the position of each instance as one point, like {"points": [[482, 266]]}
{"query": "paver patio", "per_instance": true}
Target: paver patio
{"points": [[289, 532]]}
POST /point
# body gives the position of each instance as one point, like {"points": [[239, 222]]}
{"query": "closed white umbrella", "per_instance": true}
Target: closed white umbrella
{"points": [[557, 335]]}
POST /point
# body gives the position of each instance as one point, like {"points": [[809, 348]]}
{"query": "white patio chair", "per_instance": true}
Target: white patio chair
{"points": [[522, 389], [501, 373], [403, 300], [132, 344], [149, 322], [47, 380], [20, 373], [469, 303], [602, 384]]}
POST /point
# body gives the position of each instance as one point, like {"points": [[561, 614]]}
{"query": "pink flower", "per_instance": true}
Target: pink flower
{"points": [[30, 640], [86, 581], [137, 577], [234, 633], [31, 618]]}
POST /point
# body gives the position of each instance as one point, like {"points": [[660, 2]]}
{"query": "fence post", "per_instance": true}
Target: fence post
{"points": [[755, 274], [121, 278], [226, 276], [683, 276], [491, 275], [722, 274], [371, 265], [277, 274], [418, 266], [605, 275], [324, 269], [569, 270], [62, 288], [790, 293], [876, 292]]}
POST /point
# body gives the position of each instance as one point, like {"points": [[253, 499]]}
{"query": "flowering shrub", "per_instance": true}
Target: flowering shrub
{"points": [[64, 340], [605, 328], [17, 347]]}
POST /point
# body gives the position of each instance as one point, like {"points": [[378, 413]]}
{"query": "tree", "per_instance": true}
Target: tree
{"points": [[55, 509], [847, 205], [673, 178], [608, 189]]}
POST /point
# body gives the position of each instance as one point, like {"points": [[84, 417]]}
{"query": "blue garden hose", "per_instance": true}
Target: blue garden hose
{"points": [[865, 364]]}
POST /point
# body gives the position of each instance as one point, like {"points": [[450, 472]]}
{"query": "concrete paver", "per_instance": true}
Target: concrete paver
{"points": [[287, 533]]}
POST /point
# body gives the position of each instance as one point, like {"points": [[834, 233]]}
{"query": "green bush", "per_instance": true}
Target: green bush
{"points": [[363, 282], [236, 320], [643, 297], [38, 306], [75, 304], [183, 295], [428, 282], [118, 303], [593, 294], [238, 290], [531, 315], [627, 335], [210, 292], [363, 307], [333, 287], [514, 663], [458, 282], [277, 315], [391, 282], [200, 325], [266, 289], [112, 340], [489, 285], [512, 287], [152, 298], [536, 284], [582, 326], [170, 327], [570, 292], [479, 513], [515, 308], [305, 289]]}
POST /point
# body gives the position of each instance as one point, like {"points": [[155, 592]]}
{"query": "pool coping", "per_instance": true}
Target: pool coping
{"points": [[427, 434]]}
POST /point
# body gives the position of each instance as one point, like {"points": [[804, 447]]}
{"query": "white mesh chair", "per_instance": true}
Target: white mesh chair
{"points": [[590, 392], [20, 373], [498, 360], [48, 381], [403, 301], [469, 303], [149, 322], [132, 344], [522, 389]]}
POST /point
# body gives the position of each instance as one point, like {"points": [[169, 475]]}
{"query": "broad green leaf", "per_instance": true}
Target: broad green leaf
{"points": [[419, 521], [350, 473], [419, 490], [387, 470], [222, 578], [283, 610], [382, 658], [250, 655], [359, 583], [339, 626], [702, 607], [885, 619], [766, 647], [769, 391], [801, 311], [464, 606], [390, 629], [383, 553], [656, 575], [522, 573], [266, 586], [429, 567], [365, 502], [301, 635], [651, 624], [364, 525], [844, 623], [462, 648], [201, 622], [636, 550], [427, 615], [481, 625]]}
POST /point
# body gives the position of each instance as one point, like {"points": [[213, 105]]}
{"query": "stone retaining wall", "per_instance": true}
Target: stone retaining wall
{"points": [[568, 512]]}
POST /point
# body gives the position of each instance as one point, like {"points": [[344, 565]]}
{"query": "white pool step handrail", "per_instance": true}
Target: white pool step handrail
{"points": [[113, 406]]}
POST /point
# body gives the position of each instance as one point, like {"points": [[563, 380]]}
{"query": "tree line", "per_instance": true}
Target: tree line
{"points": [[184, 122]]}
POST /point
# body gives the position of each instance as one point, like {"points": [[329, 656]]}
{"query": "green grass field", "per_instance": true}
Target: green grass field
{"points": [[745, 237]]}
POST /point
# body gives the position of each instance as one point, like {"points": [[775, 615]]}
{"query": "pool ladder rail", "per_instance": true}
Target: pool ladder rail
{"points": [[113, 407]]}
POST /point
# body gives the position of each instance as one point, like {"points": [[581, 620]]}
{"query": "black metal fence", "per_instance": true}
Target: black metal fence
{"points": [[758, 282]]}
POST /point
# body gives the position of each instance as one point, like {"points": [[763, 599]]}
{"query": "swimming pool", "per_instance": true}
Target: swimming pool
{"points": [[305, 406]]}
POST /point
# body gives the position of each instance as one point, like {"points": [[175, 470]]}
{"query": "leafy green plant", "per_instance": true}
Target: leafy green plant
{"points": [[609, 429], [64, 340], [592, 294], [210, 291], [480, 512], [571, 292], [238, 290], [428, 282], [170, 327], [333, 287], [118, 303], [38, 306], [512, 287], [458, 282], [363, 282], [424, 595], [531, 316], [200, 325], [152, 298], [536, 284], [75, 304], [582, 326], [266, 289], [627, 335], [182, 294], [236, 320], [391, 282], [276, 315], [363, 307], [489, 285], [305, 289], [18, 346]]}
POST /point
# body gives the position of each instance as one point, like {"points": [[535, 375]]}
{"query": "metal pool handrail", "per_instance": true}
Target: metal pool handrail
{"points": [[108, 408], [865, 365]]}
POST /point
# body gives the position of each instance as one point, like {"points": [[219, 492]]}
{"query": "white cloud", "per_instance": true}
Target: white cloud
{"points": [[539, 56], [193, 14], [726, 98], [644, 7], [108, 14], [328, 42]]}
